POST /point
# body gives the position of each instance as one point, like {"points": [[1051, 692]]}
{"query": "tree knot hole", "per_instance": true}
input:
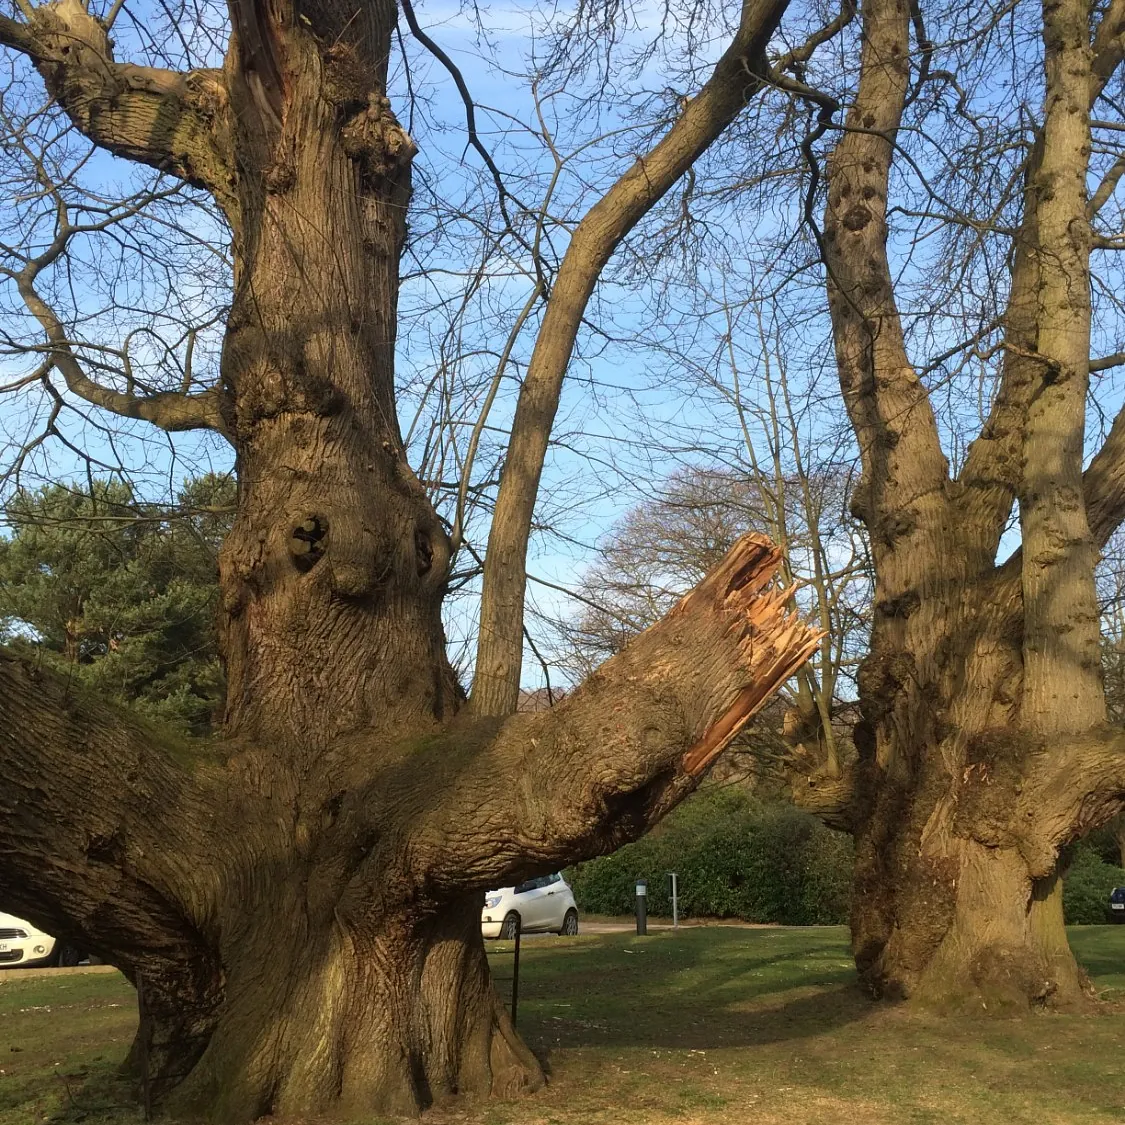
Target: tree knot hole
{"points": [[307, 542], [423, 552]]}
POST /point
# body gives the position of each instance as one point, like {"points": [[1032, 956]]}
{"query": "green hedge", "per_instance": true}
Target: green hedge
{"points": [[1087, 885], [735, 857]]}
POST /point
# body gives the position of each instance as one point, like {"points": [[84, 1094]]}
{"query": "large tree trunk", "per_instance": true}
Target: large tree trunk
{"points": [[387, 1013], [981, 685], [300, 898], [333, 574]]}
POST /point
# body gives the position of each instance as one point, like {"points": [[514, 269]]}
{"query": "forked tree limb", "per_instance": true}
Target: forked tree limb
{"points": [[991, 474], [170, 410], [177, 122]]}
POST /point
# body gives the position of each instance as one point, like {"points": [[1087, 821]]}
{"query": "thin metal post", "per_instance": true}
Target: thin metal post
{"points": [[516, 972], [675, 900], [144, 1032], [642, 907]]}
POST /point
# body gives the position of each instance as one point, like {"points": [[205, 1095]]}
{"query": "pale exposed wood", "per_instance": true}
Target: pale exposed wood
{"points": [[601, 766]]}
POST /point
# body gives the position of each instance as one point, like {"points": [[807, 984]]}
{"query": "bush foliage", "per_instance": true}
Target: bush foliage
{"points": [[739, 857], [1087, 885], [736, 857]]}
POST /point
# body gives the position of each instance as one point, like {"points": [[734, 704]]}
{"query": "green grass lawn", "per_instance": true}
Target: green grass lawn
{"points": [[705, 1026]]}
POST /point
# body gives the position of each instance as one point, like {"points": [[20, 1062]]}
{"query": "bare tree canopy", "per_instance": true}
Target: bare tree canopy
{"points": [[221, 220]]}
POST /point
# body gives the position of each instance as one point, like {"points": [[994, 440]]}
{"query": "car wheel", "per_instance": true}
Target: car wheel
{"points": [[570, 924], [67, 956], [510, 927]]}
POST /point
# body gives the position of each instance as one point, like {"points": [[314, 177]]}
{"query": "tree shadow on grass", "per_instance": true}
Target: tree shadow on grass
{"points": [[797, 1018], [689, 992]]}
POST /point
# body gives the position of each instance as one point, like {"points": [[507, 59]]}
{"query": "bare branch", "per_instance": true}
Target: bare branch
{"points": [[1107, 362], [655, 716], [735, 80], [169, 410], [1106, 188], [886, 401], [990, 475]]}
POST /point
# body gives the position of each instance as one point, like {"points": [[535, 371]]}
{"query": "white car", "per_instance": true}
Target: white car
{"points": [[543, 905], [24, 945]]}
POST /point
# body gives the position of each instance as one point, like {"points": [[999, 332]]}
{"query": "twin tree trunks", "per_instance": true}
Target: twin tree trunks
{"points": [[982, 747]]}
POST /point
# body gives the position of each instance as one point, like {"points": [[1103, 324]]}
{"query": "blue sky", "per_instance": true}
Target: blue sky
{"points": [[633, 411]]}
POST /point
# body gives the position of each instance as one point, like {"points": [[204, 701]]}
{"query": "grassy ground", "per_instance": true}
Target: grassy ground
{"points": [[702, 1027]]}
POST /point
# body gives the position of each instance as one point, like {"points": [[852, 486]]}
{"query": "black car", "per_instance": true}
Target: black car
{"points": [[1116, 910]]}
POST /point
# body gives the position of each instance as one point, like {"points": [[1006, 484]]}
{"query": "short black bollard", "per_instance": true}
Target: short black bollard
{"points": [[642, 907], [144, 1039]]}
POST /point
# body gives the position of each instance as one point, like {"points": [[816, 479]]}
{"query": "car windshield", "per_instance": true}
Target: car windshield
{"points": [[530, 885]]}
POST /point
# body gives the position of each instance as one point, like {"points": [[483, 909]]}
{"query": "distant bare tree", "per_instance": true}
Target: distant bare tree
{"points": [[773, 484]]}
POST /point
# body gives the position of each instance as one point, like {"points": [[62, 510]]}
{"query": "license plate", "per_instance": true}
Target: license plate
{"points": [[4, 947], [1115, 905]]}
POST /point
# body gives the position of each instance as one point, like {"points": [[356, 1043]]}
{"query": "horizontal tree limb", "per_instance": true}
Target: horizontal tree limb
{"points": [[173, 121], [101, 832], [598, 769]]}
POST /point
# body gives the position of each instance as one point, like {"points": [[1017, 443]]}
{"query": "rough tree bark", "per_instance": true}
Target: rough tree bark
{"points": [[302, 895], [982, 748]]}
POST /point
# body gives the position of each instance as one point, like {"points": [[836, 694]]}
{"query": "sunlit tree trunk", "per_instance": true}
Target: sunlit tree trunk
{"points": [[301, 896], [981, 700]]}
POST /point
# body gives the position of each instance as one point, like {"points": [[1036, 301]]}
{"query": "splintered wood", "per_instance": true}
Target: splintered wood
{"points": [[773, 643]]}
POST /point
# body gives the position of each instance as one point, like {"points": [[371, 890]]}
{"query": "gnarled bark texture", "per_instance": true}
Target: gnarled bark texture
{"points": [[301, 897], [982, 748]]}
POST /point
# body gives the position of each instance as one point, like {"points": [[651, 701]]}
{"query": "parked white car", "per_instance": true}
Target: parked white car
{"points": [[543, 905], [24, 945]]}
